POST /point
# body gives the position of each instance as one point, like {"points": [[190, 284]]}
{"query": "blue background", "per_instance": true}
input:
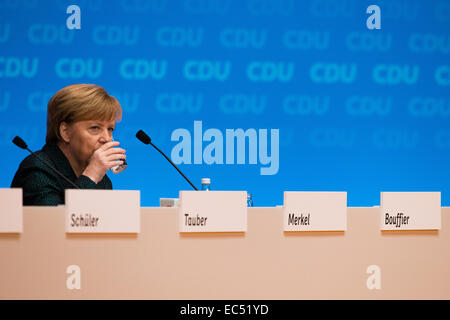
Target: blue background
{"points": [[395, 138]]}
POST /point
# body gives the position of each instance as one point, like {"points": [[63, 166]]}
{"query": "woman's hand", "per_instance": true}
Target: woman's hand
{"points": [[103, 159]]}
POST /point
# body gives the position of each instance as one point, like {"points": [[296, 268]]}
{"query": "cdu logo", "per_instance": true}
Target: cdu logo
{"points": [[401, 10], [129, 101], [306, 40], [179, 37], [207, 7], [332, 8], [442, 139], [242, 104], [88, 5], [270, 7], [429, 107], [305, 105], [287, 137], [442, 75], [396, 74], [5, 98], [368, 106], [16, 4], [143, 6], [114, 35], [176, 103], [143, 69], [128, 132], [14, 67], [76, 68], [37, 101], [243, 38], [442, 11], [332, 138], [49, 34], [333, 72], [429, 43], [395, 139], [33, 133], [270, 71], [368, 41], [5, 30], [207, 70]]}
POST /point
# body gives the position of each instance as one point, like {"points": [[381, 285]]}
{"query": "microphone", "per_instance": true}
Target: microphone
{"points": [[144, 138], [18, 141]]}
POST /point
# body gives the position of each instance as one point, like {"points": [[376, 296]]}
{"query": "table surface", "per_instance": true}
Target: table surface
{"points": [[263, 263]]}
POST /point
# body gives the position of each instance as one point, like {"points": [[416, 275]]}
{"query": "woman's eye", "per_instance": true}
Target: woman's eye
{"points": [[110, 129], [95, 127]]}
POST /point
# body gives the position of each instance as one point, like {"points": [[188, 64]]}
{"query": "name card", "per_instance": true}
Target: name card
{"points": [[103, 211], [315, 211], [410, 210], [213, 211], [11, 210]]}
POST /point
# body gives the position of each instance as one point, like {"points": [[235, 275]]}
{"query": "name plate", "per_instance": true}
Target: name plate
{"points": [[315, 211], [11, 210], [213, 211], [103, 211], [410, 210]]}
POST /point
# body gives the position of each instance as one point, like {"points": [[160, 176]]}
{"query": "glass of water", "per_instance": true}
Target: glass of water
{"points": [[121, 167]]}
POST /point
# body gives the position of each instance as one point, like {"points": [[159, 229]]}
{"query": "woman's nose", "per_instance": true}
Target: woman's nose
{"points": [[105, 137]]}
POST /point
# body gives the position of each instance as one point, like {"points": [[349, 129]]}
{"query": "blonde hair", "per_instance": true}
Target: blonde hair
{"points": [[80, 102]]}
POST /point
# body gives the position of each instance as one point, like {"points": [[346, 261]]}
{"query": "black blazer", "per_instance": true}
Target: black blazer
{"points": [[42, 186]]}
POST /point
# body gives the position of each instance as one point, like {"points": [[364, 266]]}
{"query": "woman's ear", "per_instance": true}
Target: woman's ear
{"points": [[64, 131]]}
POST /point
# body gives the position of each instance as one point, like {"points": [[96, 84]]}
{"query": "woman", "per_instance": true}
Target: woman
{"points": [[80, 121]]}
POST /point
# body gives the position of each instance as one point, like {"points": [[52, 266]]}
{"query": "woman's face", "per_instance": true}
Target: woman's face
{"points": [[84, 137]]}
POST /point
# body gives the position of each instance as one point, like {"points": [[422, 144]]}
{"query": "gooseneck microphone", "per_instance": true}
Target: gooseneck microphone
{"points": [[144, 138], [18, 141]]}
